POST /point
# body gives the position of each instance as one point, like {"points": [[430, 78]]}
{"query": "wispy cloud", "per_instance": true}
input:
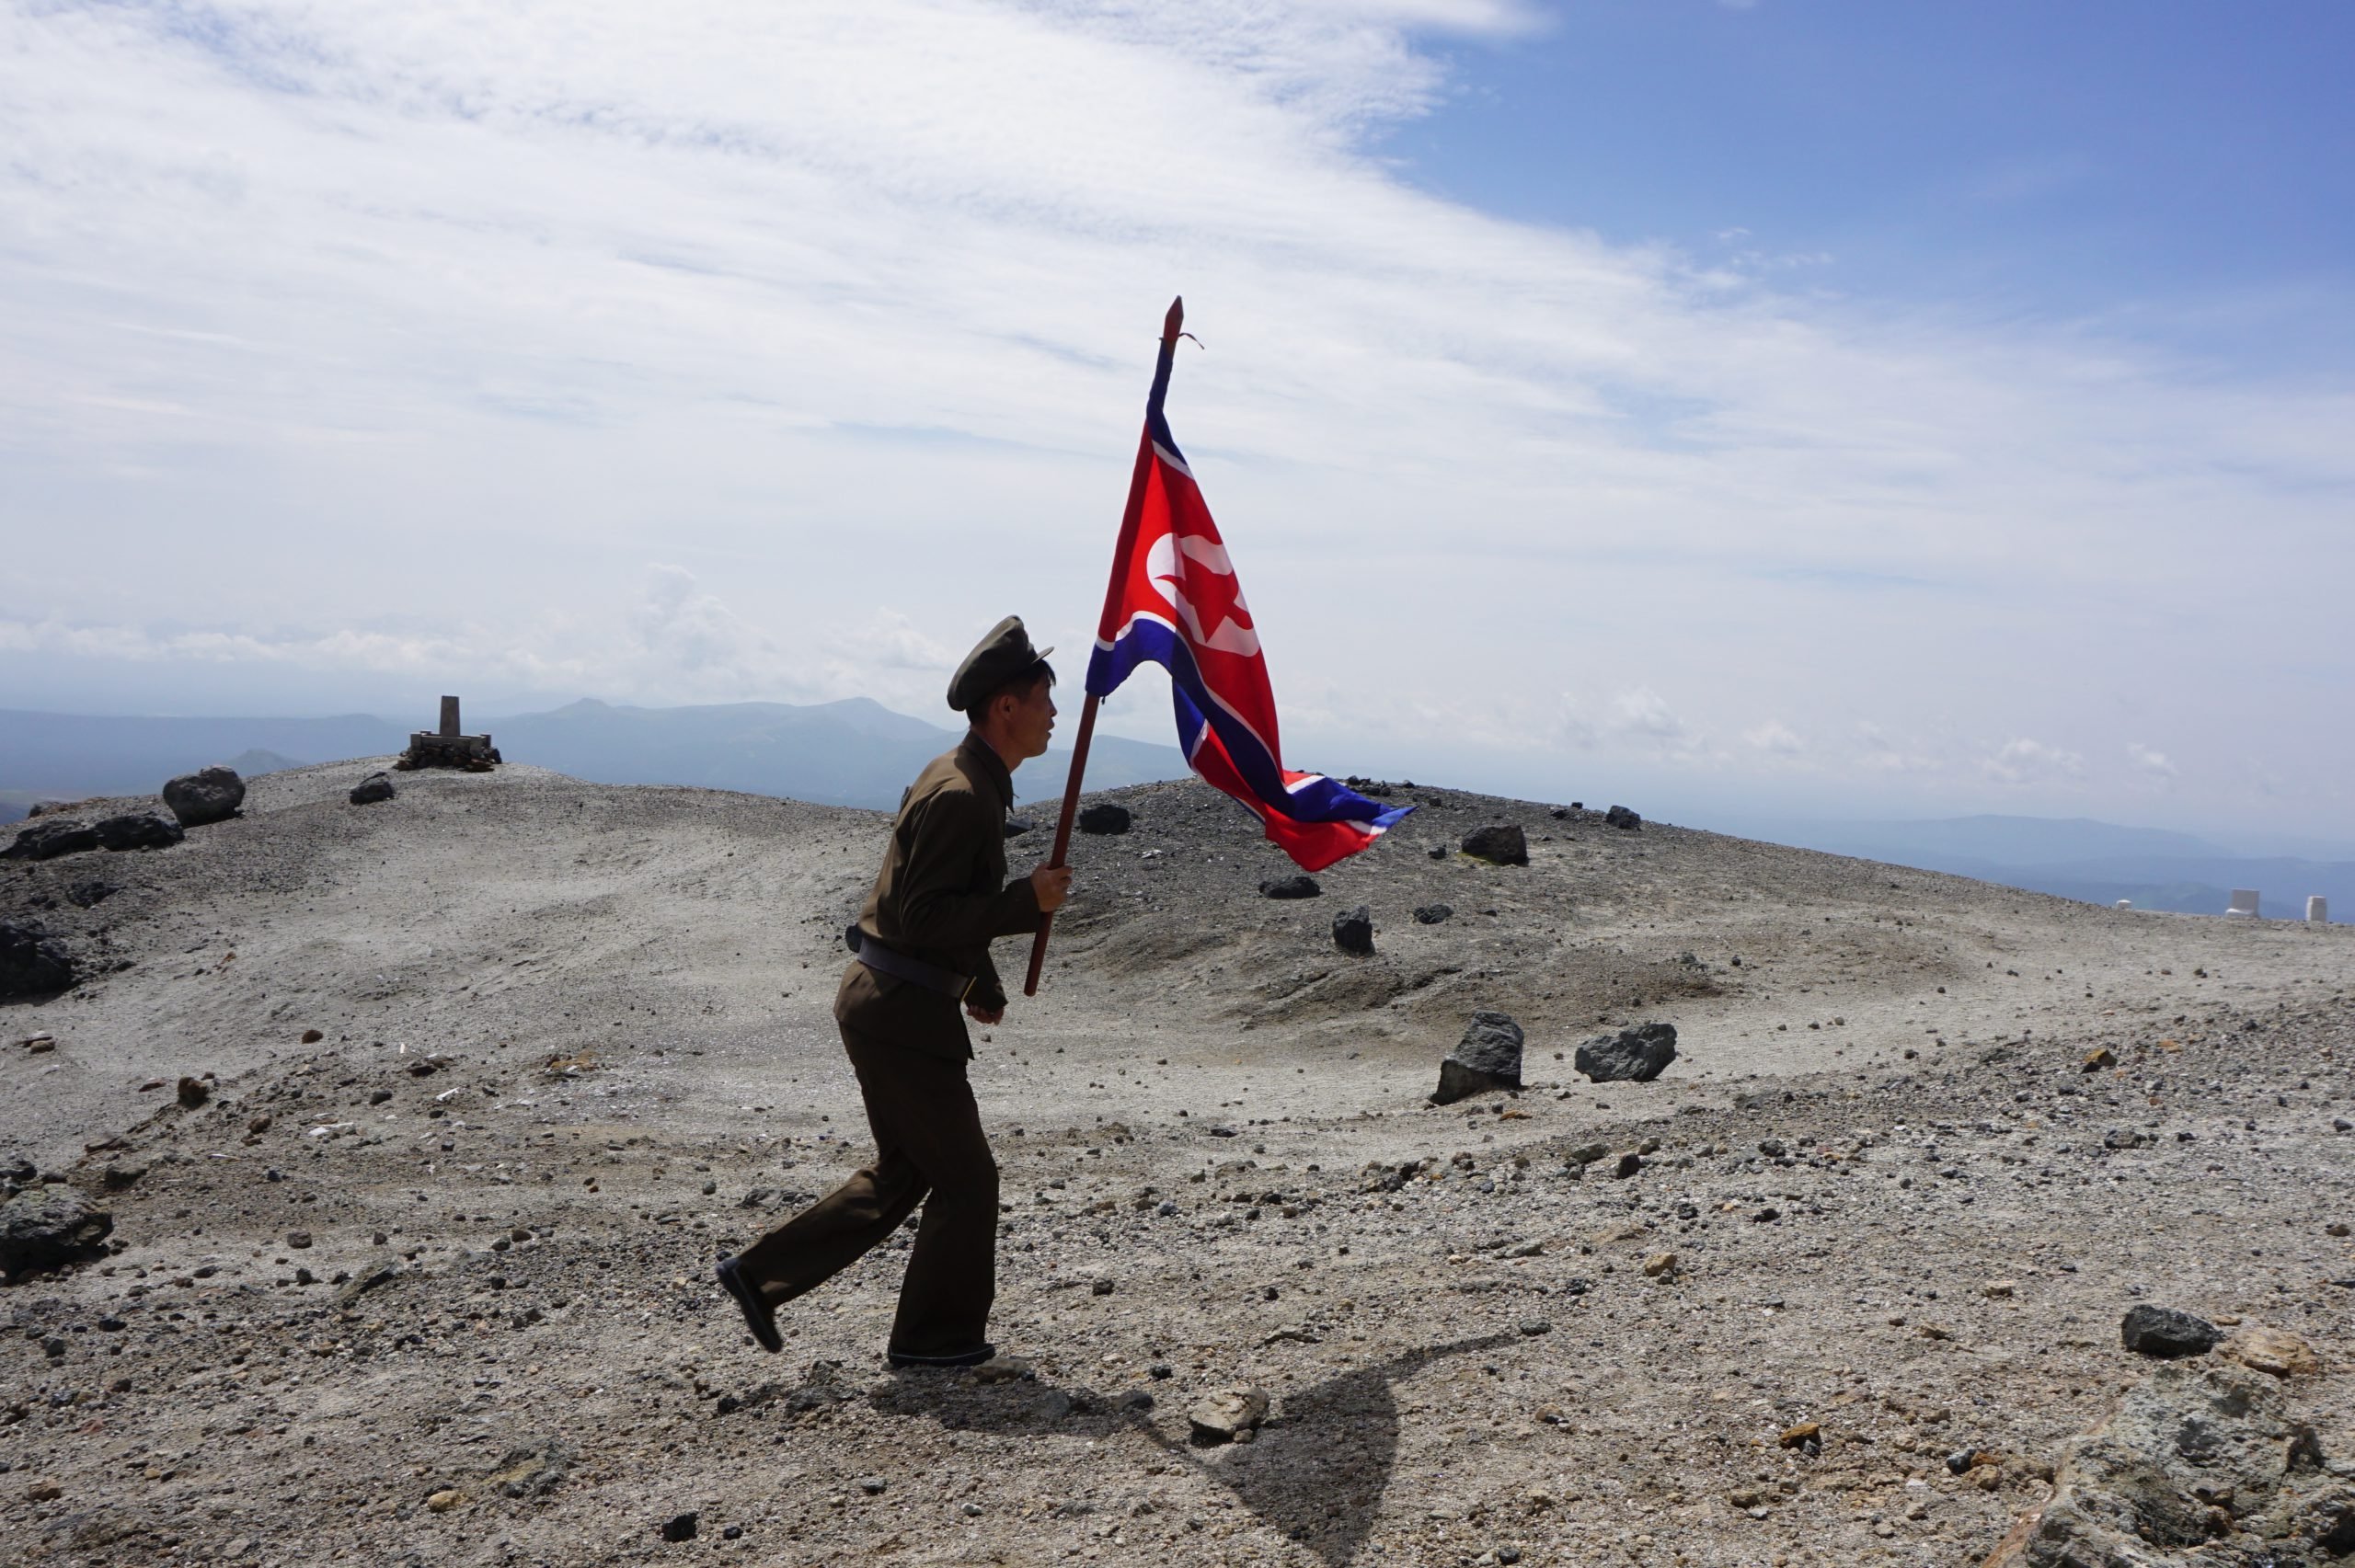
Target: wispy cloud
{"points": [[2032, 761], [441, 322]]}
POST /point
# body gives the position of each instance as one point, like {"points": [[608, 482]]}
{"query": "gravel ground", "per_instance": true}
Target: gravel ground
{"points": [[434, 1287]]}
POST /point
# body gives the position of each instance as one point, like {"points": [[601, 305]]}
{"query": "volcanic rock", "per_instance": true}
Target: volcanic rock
{"points": [[1297, 885], [2164, 1332], [51, 837], [1634, 1055], [32, 962], [1227, 1414], [372, 789], [1354, 931], [1620, 817], [1488, 1057], [43, 1226], [206, 796], [1432, 914], [2204, 1460], [1104, 817], [1500, 845], [139, 831]]}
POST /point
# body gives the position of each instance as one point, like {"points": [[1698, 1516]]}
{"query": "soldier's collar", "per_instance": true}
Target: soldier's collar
{"points": [[993, 766]]}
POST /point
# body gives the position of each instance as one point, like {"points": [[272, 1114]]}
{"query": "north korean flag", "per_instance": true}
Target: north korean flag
{"points": [[1174, 601]]}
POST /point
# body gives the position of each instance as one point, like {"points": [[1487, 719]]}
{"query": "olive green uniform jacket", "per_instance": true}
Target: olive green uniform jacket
{"points": [[941, 896]]}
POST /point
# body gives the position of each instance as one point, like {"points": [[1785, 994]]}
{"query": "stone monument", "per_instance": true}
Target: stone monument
{"points": [[2243, 903], [2317, 910], [446, 748]]}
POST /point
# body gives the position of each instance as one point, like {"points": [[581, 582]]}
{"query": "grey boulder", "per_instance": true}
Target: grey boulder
{"points": [[45, 1227], [32, 962], [2145, 1487], [1295, 887], [205, 796], [51, 837], [1504, 845], [372, 789], [1487, 1058], [1620, 817], [1634, 1055], [1354, 931], [139, 831]]}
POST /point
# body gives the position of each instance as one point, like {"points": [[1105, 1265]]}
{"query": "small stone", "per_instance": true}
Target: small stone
{"points": [[117, 1177], [1002, 1369], [1658, 1265], [2099, 1057], [1160, 1369], [1799, 1436], [1532, 1327], [2275, 1351], [257, 1127], [1299, 886], [442, 1502], [1101, 1288], [2167, 1333], [298, 1237], [1629, 1164], [373, 789], [873, 1485], [1621, 818], [733, 1532], [1500, 845], [1432, 914], [1104, 817], [1225, 1416], [678, 1528], [1999, 1289], [194, 1092], [312, 1036], [378, 1096], [1354, 932]]}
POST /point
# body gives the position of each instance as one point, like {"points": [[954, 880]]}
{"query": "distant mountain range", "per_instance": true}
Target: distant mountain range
{"points": [[859, 752], [2099, 863], [855, 752]]}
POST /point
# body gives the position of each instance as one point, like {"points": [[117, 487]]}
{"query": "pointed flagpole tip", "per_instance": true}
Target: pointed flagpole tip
{"points": [[1175, 320]]}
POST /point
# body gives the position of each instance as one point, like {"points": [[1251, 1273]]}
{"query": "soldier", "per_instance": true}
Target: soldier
{"points": [[923, 944]]}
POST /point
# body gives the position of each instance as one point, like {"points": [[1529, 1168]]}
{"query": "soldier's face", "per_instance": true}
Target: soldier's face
{"points": [[1031, 720]]}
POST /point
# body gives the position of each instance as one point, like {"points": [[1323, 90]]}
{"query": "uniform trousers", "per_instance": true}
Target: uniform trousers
{"points": [[929, 1149]]}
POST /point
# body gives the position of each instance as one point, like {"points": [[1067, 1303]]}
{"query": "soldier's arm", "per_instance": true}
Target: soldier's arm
{"points": [[935, 907]]}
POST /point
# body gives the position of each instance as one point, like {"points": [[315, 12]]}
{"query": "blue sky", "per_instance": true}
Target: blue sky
{"points": [[1865, 409], [1999, 157]]}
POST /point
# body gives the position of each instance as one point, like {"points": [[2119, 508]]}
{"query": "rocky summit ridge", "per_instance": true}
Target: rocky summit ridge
{"points": [[415, 1125]]}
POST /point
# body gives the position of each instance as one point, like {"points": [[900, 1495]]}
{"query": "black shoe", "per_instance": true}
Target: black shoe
{"points": [[757, 1316], [900, 1361]]}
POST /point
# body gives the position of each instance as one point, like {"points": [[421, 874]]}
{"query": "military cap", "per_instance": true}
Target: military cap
{"points": [[998, 659]]}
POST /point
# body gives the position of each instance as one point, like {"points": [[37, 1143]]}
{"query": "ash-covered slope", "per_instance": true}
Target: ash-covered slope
{"points": [[434, 1285]]}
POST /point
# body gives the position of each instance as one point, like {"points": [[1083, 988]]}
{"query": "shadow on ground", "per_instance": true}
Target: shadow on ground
{"points": [[1317, 1471]]}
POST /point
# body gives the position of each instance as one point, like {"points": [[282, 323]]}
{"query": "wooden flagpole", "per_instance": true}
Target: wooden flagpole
{"points": [[1171, 326]]}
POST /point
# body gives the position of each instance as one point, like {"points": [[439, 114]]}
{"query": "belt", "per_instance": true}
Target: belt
{"points": [[916, 971]]}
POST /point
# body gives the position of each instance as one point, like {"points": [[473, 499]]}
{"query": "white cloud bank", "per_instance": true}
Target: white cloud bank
{"points": [[400, 338]]}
